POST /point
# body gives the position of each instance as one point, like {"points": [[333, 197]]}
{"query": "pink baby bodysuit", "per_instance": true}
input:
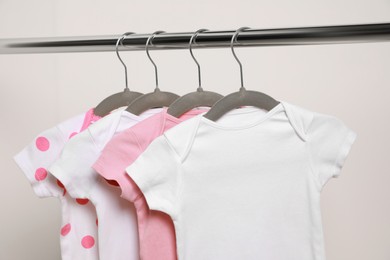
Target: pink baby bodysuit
{"points": [[156, 231]]}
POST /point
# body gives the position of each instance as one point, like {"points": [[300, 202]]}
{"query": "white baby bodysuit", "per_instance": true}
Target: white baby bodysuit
{"points": [[246, 186], [79, 231], [117, 229]]}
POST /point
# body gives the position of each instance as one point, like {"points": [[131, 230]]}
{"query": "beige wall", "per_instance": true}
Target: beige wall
{"points": [[351, 82]]}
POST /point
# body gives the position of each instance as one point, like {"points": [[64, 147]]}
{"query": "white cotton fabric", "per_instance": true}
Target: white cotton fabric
{"points": [[248, 185], [117, 229]]}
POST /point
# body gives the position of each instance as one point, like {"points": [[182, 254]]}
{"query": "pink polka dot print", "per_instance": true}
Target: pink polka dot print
{"points": [[88, 242], [72, 134], [40, 174], [42, 143], [65, 229], [82, 201]]}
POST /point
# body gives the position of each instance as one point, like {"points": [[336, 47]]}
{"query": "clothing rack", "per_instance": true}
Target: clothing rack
{"points": [[208, 39]]}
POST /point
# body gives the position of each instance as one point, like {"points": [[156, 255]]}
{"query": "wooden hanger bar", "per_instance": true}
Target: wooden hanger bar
{"points": [[210, 39]]}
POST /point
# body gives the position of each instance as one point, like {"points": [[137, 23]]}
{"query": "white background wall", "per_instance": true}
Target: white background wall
{"points": [[349, 81]]}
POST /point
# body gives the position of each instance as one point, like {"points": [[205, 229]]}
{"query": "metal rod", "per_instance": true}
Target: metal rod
{"points": [[211, 39]]}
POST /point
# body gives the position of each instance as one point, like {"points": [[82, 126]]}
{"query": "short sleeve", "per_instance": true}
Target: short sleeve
{"points": [[119, 152], [330, 141], [157, 173], [37, 156], [73, 168]]}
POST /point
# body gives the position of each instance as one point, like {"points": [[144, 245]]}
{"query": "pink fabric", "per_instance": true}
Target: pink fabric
{"points": [[156, 230]]}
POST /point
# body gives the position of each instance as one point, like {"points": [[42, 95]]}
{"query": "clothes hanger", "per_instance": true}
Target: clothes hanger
{"points": [[242, 97], [194, 99], [157, 98], [120, 99]]}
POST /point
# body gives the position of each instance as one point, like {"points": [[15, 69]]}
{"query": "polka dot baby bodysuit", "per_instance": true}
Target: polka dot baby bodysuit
{"points": [[117, 229], [78, 233], [155, 229]]}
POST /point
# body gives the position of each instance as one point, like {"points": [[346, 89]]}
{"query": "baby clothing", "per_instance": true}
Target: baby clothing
{"points": [[79, 231], [246, 186], [155, 228], [117, 226]]}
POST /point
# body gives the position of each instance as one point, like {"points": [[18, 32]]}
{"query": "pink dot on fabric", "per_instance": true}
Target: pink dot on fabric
{"points": [[65, 229], [40, 174], [97, 222], [72, 134], [82, 201], [42, 143], [88, 242]]}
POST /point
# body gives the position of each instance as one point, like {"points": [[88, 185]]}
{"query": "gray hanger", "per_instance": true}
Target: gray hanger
{"points": [[242, 97], [194, 99], [120, 99], [154, 99]]}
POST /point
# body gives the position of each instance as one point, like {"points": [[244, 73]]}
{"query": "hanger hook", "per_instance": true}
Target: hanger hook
{"points": [[120, 40], [192, 40], [151, 37], [234, 38]]}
